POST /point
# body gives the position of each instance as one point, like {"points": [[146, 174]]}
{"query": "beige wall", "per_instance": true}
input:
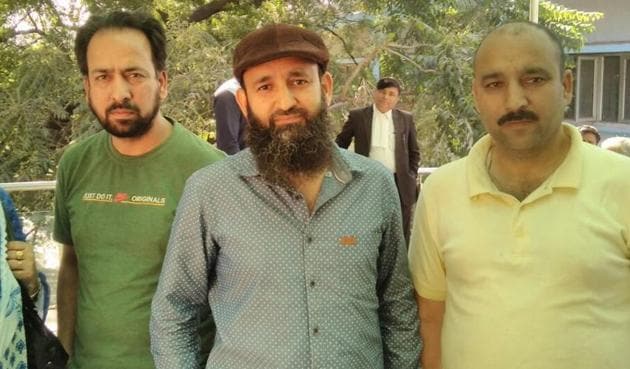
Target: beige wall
{"points": [[614, 27]]}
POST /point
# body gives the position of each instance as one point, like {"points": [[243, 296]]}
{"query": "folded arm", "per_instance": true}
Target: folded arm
{"points": [[344, 138], [414, 150]]}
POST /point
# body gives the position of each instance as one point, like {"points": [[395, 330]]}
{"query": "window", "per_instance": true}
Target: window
{"points": [[625, 94], [610, 90], [586, 89], [570, 111], [602, 89]]}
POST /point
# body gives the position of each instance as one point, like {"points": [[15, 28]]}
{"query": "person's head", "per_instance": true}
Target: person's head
{"points": [[620, 145], [285, 92], [122, 57], [520, 86], [387, 94], [589, 134]]}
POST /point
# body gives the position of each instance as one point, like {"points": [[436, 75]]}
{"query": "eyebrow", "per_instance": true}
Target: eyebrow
{"points": [[126, 70], [493, 75], [262, 79], [296, 72], [527, 71], [538, 70]]}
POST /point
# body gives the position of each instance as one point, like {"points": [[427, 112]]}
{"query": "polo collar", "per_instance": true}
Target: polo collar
{"points": [[567, 175]]}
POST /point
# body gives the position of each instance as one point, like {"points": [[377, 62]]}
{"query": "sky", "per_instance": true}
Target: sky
{"points": [[63, 6]]}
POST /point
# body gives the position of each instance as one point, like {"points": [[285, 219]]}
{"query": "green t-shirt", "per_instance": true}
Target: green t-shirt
{"points": [[117, 211]]}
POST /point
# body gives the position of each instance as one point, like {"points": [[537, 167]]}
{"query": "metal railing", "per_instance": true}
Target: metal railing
{"points": [[50, 185], [49, 256], [29, 186], [425, 171]]}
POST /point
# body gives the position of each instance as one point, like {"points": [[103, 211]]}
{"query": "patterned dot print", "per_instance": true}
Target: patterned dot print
{"points": [[287, 288]]}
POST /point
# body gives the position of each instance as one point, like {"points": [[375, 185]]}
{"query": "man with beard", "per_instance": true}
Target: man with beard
{"points": [[117, 192], [304, 265], [520, 252]]}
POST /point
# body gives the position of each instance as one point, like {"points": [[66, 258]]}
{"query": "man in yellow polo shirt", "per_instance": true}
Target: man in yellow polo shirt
{"points": [[520, 254]]}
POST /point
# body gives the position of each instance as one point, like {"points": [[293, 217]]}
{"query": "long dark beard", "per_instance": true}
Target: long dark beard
{"points": [[292, 150]]}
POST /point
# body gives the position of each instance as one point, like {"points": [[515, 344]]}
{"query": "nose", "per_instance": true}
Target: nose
{"points": [[516, 97], [120, 90], [285, 99]]}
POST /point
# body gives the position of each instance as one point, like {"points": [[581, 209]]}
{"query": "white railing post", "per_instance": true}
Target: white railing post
{"points": [[533, 11], [28, 186]]}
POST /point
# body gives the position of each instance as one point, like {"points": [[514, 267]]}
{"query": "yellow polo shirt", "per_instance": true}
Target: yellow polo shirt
{"points": [[538, 284]]}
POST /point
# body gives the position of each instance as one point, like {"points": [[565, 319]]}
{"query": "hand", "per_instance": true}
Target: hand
{"points": [[21, 260]]}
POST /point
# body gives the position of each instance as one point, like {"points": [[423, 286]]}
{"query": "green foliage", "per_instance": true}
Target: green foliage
{"points": [[430, 45], [571, 25], [196, 67], [96, 6], [33, 116], [427, 44]]}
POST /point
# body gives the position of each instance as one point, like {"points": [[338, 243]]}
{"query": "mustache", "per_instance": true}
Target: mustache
{"points": [[521, 114], [126, 104], [292, 111]]}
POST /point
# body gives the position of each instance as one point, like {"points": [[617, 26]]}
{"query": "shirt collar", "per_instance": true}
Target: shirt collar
{"points": [[387, 114], [341, 168], [567, 175]]}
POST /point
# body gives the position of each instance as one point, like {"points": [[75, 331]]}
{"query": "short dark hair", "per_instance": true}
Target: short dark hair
{"points": [[555, 39], [140, 21], [386, 82], [590, 129]]}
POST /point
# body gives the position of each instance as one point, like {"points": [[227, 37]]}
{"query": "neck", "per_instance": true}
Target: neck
{"points": [[309, 186], [136, 146], [380, 111], [520, 173]]}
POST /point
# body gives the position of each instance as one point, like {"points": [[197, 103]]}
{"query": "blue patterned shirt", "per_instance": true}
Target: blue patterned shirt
{"points": [[287, 288], [12, 335]]}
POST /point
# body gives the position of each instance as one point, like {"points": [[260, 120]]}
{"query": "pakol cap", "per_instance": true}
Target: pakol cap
{"points": [[276, 41]]}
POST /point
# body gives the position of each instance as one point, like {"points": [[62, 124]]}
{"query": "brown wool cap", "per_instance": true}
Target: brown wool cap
{"points": [[276, 41]]}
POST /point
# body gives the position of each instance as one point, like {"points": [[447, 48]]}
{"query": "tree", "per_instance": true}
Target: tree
{"points": [[426, 44], [431, 43]]}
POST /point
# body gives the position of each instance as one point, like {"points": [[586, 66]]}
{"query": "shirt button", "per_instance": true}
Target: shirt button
{"points": [[316, 331], [312, 283], [309, 239]]}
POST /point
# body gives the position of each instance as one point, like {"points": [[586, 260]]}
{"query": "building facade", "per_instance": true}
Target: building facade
{"points": [[602, 71]]}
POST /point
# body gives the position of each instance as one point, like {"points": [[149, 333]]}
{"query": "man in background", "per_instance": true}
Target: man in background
{"points": [[117, 192], [620, 145], [230, 122], [589, 134], [388, 135]]}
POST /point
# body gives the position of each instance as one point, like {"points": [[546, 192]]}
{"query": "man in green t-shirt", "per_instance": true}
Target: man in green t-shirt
{"points": [[117, 193]]}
